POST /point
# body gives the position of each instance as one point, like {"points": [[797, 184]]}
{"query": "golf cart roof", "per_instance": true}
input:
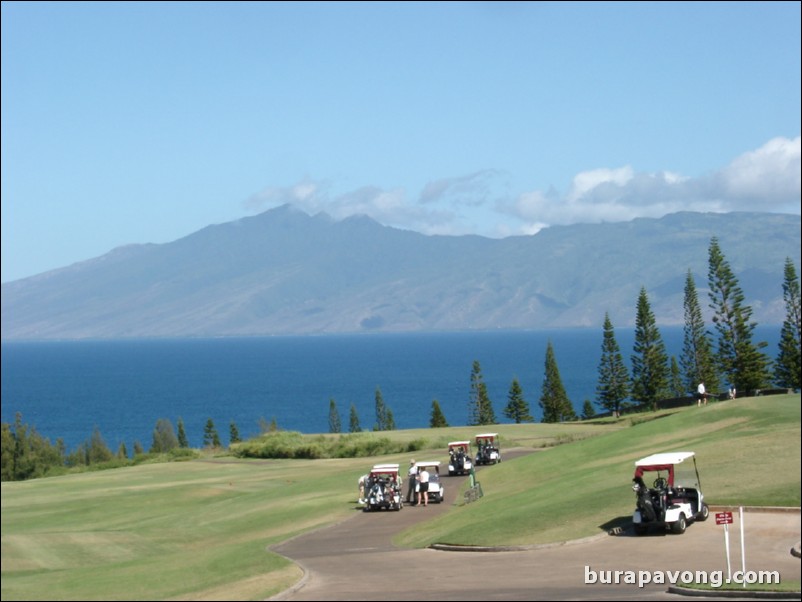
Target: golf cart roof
{"points": [[458, 443], [487, 436], [665, 459], [384, 469], [428, 463]]}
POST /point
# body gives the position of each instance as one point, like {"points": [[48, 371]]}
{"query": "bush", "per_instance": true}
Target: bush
{"points": [[292, 444]]}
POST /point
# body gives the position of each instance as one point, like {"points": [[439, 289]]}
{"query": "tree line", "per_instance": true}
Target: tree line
{"points": [[26, 454], [732, 358]]}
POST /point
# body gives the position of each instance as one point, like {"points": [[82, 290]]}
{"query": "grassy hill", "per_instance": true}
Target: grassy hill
{"points": [[200, 529]]}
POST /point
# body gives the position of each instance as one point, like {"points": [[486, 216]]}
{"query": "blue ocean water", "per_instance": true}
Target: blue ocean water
{"points": [[66, 389]]}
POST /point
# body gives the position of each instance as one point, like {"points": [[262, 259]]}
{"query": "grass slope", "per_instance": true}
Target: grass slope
{"points": [[747, 452], [200, 529]]}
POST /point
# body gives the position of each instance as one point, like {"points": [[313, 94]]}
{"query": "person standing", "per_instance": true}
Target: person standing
{"points": [[701, 394], [412, 478], [362, 481], [423, 487]]}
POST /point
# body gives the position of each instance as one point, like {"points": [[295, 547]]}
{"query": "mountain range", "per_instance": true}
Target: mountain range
{"points": [[286, 272]]}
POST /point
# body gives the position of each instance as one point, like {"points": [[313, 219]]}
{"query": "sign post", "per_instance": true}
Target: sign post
{"points": [[725, 518], [743, 545]]}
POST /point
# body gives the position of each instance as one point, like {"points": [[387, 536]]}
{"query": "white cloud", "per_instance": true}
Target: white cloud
{"points": [[769, 175], [766, 179], [587, 181]]}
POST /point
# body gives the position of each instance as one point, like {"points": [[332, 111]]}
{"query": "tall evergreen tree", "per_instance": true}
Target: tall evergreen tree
{"points": [[384, 415], [553, 399], [438, 419], [182, 435], [613, 387], [649, 361], [588, 411], [480, 407], [233, 433], [744, 365], [353, 421], [164, 438], [473, 399], [517, 408], [122, 451], [335, 425], [210, 436], [788, 366], [697, 361]]}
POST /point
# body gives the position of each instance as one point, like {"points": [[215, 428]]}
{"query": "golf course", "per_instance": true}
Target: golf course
{"points": [[202, 528]]}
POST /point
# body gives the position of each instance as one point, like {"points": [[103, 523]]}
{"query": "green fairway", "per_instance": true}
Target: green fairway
{"points": [[200, 529]]}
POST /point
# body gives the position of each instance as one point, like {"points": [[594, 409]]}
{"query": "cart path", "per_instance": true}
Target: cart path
{"points": [[356, 560]]}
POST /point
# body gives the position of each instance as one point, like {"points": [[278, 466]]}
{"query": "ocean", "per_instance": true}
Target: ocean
{"points": [[66, 389]]}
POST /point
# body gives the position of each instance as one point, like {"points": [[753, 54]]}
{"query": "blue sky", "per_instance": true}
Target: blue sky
{"points": [[143, 122]]}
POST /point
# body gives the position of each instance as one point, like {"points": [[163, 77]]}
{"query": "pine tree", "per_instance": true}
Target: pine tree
{"points": [[182, 435], [480, 407], [588, 411], [788, 366], [353, 422], [438, 419], [335, 425], [233, 433], [649, 362], [554, 400], [384, 415], [697, 361], [473, 400], [164, 439], [517, 408], [210, 436], [138, 449], [744, 365], [122, 451], [613, 386]]}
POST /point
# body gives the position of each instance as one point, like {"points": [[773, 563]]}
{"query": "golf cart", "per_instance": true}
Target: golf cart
{"points": [[459, 458], [436, 489], [675, 496], [488, 451], [383, 488]]}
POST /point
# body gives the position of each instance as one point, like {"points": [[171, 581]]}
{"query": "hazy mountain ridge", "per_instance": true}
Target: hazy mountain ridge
{"points": [[285, 272]]}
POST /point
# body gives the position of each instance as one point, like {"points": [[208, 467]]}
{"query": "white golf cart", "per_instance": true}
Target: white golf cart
{"points": [[459, 458], [383, 488], [487, 449], [436, 489], [675, 496]]}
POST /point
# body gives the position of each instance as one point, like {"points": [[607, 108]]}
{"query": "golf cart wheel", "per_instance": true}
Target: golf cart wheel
{"points": [[678, 526], [704, 513]]}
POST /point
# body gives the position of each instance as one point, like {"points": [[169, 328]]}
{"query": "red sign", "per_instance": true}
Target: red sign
{"points": [[723, 518]]}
